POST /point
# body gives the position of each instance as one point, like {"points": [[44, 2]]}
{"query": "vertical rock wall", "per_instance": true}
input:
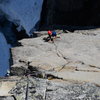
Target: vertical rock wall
{"points": [[72, 12]]}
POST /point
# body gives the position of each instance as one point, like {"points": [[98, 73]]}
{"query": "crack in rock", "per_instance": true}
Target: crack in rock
{"points": [[59, 54], [94, 66]]}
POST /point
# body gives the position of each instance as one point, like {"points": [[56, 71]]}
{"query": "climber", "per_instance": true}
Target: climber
{"points": [[54, 34], [49, 34], [49, 38]]}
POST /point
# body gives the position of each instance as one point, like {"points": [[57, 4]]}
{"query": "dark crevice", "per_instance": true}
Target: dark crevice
{"points": [[10, 32], [48, 76], [27, 89], [11, 59], [14, 97], [44, 13], [66, 14], [21, 34]]}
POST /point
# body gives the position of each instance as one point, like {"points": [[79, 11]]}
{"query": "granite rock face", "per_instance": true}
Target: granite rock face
{"points": [[67, 69], [31, 88], [73, 57], [42, 89]]}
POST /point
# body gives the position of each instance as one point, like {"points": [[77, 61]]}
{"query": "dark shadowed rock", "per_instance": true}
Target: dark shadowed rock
{"points": [[7, 98]]}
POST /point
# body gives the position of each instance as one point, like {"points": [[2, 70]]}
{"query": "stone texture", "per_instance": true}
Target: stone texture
{"points": [[6, 84], [73, 57], [67, 69], [42, 89], [7, 98], [32, 88]]}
